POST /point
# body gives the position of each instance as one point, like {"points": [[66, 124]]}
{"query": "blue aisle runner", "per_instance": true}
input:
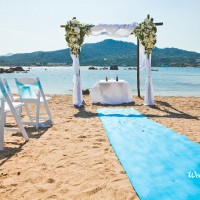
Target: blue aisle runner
{"points": [[160, 163]]}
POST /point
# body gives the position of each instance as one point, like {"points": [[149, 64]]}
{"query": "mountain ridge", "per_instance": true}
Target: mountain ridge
{"points": [[104, 53]]}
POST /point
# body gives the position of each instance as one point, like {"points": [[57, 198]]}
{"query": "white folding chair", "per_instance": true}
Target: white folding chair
{"points": [[31, 92], [8, 106]]}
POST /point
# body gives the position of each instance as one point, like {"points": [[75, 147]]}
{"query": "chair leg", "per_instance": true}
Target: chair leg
{"points": [[19, 123], [37, 115], [48, 110], [28, 112], [2, 124], [20, 111], [5, 116]]}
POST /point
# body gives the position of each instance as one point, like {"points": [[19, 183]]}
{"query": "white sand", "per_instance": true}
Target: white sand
{"points": [[73, 159]]}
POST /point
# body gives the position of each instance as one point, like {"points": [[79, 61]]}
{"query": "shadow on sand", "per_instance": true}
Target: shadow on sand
{"points": [[9, 152], [170, 111], [83, 113]]}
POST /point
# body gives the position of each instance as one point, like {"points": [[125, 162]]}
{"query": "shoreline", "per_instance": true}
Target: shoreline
{"points": [[50, 66], [73, 159]]}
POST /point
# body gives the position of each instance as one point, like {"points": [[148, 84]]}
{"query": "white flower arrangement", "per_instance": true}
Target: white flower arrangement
{"points": [[146, 33], [75, 34]]}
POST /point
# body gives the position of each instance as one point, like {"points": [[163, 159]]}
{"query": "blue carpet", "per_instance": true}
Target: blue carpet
{"points": [[160, 163]]}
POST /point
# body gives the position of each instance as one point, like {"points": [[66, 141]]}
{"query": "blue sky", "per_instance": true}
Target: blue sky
{"points": [[34, 25]]}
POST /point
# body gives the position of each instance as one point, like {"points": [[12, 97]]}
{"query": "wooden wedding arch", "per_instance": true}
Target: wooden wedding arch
{"points": [[75, 40]]}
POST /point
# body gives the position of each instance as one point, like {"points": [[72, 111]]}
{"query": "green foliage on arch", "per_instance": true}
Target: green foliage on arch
{"points": [[75, 34], [146, 33]]}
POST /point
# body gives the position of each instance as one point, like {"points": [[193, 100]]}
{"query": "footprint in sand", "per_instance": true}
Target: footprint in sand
{"points": [[52, 197], [100, 140], [9, 182], [95, 147], [50, 180], [93, 190], [82, 136], [41, 189]]}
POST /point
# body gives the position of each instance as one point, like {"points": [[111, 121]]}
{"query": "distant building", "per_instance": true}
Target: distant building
{"points": [[198, 60]]}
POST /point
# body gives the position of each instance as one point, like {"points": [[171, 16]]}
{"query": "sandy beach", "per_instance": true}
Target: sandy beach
{"points": [[73, 159]]}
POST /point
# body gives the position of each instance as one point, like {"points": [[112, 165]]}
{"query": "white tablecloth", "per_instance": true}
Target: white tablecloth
{"points": [[111, 92]]}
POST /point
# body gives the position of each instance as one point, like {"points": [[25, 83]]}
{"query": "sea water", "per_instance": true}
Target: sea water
{"points": [[167, 81]]}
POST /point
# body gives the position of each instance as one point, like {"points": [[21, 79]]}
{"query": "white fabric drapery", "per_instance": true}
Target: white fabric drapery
{"points": [[114, 30], [77, 90], [145, 63]]}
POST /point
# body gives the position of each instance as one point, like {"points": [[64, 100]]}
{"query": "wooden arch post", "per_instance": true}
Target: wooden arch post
{"points": [[138, 60]]}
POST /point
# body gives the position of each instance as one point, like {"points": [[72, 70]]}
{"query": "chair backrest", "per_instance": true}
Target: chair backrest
{"points": [[4, 81], [29, 88], [3, 91]]}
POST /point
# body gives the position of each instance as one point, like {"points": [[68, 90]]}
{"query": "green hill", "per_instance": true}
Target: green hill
{"points": [[105, 53]]}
